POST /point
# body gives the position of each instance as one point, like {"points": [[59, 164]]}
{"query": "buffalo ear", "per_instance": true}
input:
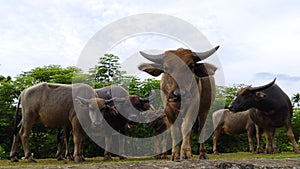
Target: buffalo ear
{"points": [[152, 68], [204, 69], [260, 95]]}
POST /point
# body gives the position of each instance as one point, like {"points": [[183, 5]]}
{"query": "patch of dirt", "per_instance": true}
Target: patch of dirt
{"points": [[289, 163]]}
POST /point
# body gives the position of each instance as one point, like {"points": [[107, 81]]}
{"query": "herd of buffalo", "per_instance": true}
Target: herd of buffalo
{"points": [[187, 91]]}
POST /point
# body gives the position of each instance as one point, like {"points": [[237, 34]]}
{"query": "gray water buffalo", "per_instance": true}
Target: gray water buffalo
{"points": [[159, 126], [235, 123], [128, 108], [273, 110], [58, 105], [187, 91]]}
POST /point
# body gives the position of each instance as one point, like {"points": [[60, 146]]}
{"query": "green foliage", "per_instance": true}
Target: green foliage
{"points": [[108, 72], [2, 153], [8, 94], [296, 99]]}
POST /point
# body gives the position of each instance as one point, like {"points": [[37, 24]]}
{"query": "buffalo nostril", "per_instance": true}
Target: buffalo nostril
{"points": [[97, 123], [132, 117], [179, 93]]}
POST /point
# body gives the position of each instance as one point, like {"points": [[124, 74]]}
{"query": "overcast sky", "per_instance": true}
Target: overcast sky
{"points": [[259, 39]]}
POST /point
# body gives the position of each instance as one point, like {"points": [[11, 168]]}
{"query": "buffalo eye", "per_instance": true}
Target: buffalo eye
{"points": [[244, 94], [166, 69], [192, 66]]}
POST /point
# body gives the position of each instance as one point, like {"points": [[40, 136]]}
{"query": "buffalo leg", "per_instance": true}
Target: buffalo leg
{"points": [[60, 142], [175, 142], [259, 132], [216, 135], [201, 133], [24, 134], [274, 147], [292, 138], [108, 140], [15, 147], [164, 145], [157, 146], [250, 139], [122, 145], [78, 134], [186, 130], [67, 133], [268, 136]]}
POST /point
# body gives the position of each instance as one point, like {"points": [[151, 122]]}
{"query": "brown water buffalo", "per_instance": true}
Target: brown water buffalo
{"points": [[158, 121], [188, 90], [235, 123], [273, 110], [128, 108], [57, 105]]}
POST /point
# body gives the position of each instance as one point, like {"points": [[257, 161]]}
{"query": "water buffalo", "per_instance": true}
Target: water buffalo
{"points": [[235, 123], [128, 108], [159, 123], [57, 105], [188, 89], [273, 110]]}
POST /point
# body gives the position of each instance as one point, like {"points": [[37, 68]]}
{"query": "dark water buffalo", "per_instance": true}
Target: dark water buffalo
{"points": [[57, 105], [235, 123], [159, 126], [188, 89], [273, 110], [128, 108]]}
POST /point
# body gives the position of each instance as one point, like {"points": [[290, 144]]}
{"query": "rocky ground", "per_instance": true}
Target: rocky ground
{"points": [[293, 163]]}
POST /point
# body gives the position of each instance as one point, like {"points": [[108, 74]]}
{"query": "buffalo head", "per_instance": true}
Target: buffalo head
{"points": [[131, 105], [249, 97], [97, 107], [179, 68]]}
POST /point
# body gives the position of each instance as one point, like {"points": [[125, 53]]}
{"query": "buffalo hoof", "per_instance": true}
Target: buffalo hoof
{"points": [[259, 150], [14, 159], [31, 160], [276, 150], [164, 156], [175, 157], [157, 157], [122, 157], [203, 157], [78, 159], [107, 158], [216, 152], [69, 158], [59, 158]]}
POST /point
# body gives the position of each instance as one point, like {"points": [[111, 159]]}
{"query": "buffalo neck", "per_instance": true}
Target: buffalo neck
{"points": [[267, 105]]}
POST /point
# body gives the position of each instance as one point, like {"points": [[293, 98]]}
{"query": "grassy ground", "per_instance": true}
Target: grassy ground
{"points": [[99, 160]]}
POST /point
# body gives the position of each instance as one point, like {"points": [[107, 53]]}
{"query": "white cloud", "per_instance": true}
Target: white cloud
{"points": [[255, 36]]}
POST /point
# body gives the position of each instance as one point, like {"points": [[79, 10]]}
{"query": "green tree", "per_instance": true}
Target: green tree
{"points": [[296, 99], [8, 95], [107, 71]]}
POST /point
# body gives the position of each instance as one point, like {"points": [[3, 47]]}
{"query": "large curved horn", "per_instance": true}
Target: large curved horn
{"points": [[150, 97], [82, 100], [204, 55], [120, 99], [154, 58], [109, 101], [260, 88]]}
